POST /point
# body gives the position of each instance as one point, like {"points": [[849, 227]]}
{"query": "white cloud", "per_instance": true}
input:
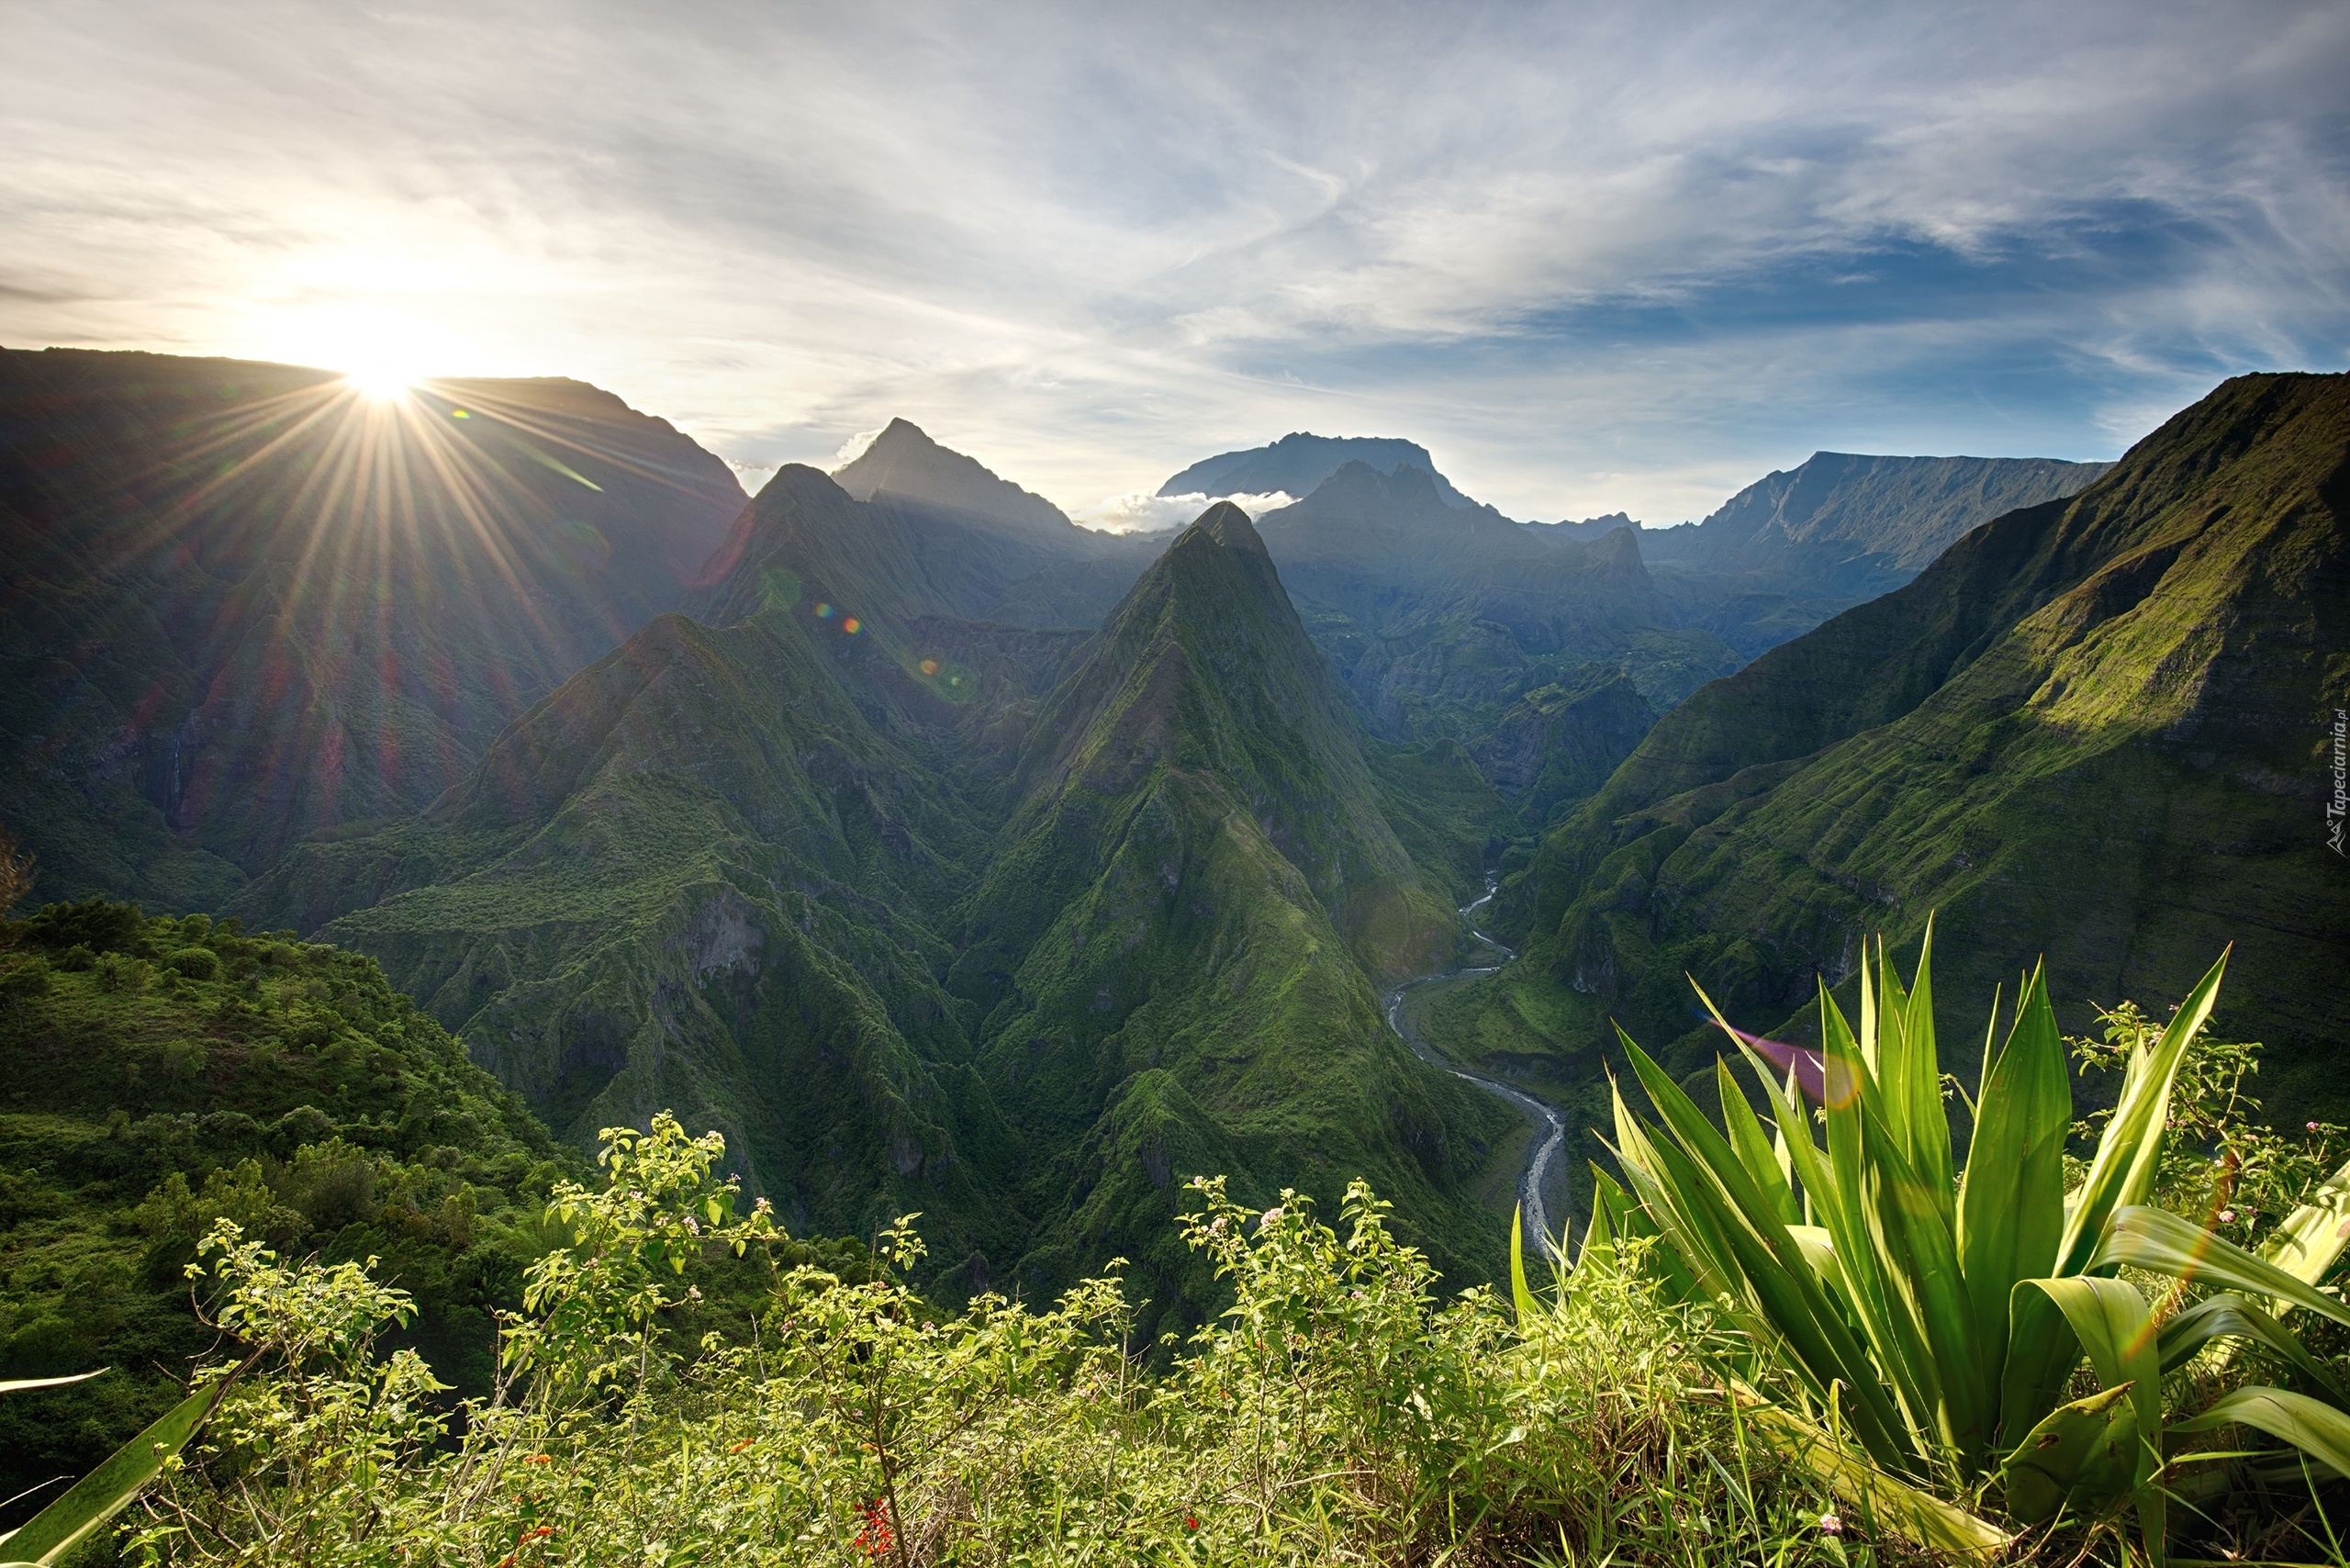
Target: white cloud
{"points": [[852, 449], [1141, 512], [1596, 259]]}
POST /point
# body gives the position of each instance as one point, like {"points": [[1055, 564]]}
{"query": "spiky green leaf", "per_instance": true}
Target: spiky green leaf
{"points": [[49, 1536], [2011, 1206], [2144, 1236], [2316, 1428]]}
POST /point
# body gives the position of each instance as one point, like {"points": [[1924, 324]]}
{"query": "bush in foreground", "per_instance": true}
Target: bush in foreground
{"points": [[1334, 1413]]}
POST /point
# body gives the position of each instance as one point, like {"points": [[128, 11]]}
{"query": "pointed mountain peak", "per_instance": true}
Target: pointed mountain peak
{"points": [[904, 462], [1230, 527], [901, 434]]}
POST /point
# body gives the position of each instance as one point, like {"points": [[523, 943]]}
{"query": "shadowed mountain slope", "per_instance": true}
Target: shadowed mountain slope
{"points": [[1180, 941], [782, 875], [1299, 464], [1441, 619], [2095, 728], [704, 875], [241, 601], [1405, 594]]}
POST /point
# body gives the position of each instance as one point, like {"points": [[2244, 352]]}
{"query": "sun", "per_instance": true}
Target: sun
{"points": [[382, 381], [383, 354]]}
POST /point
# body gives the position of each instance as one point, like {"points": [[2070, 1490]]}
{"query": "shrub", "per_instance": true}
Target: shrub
{"points": [[1334, 1413], [195, 963]]}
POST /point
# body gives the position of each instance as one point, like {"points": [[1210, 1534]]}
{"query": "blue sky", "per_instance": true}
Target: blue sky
{"points": [[1626, 257]]}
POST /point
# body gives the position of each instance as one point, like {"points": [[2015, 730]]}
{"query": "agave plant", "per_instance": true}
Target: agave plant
{"points": [[60, 1529], [1932, 1318]]}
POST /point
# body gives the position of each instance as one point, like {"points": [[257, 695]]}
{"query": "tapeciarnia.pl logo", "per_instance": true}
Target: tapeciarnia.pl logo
{"points": [[2339, 807]]}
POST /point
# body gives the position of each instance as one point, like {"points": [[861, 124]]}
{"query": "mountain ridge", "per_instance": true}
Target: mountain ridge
{"points": [[1300, 463], [2077, 732]]}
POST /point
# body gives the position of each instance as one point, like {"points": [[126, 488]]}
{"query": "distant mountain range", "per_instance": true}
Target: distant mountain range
{"points": [[950, 856], [1860, 526]]}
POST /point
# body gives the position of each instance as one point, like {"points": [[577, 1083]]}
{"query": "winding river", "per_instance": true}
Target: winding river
{"points": [[1549, 1123]]}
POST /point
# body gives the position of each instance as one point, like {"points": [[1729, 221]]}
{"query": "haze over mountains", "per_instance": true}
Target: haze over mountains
{"points": [[242, 603], [949, 856]]}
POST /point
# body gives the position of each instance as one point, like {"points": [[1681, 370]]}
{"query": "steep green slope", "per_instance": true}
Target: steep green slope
{"points": [[708, 874], [159, 1074], [1177, 945], [837, 894], [242, 601], [698, 878], [2095, 729]]}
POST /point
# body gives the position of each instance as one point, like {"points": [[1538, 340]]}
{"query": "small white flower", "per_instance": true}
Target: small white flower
{"points": [[1830, 1525], [1270, 1217], [693, 1225], [2226, 1216]]}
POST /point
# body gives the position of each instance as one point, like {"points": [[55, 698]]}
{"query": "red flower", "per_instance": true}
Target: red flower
{"points": [[879, 1537], [1191, 1521]]}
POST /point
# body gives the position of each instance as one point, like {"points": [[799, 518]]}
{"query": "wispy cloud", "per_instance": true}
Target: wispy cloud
{"points": [[1593, 258], [1145, 511]]}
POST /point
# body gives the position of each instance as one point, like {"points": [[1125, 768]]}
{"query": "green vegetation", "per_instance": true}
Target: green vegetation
{"points": [[162, 1074], [1940, 1317], [2091, 729], [1018, 929], [1758, 1357], [1333, 1412]]}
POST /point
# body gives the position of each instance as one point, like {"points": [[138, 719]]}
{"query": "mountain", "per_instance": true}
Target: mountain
{"points": [[1180, 941], [831, 873], [1014, 557], [2095, 728], [904, 464], [1298, 463], [1441, 619], [706, 875], [1861, 525], [1588, 529], [243, 602]]}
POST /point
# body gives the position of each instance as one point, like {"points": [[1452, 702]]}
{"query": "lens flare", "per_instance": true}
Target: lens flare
{"points": [[852, 625], [930, 666], [1811, 1067]]}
